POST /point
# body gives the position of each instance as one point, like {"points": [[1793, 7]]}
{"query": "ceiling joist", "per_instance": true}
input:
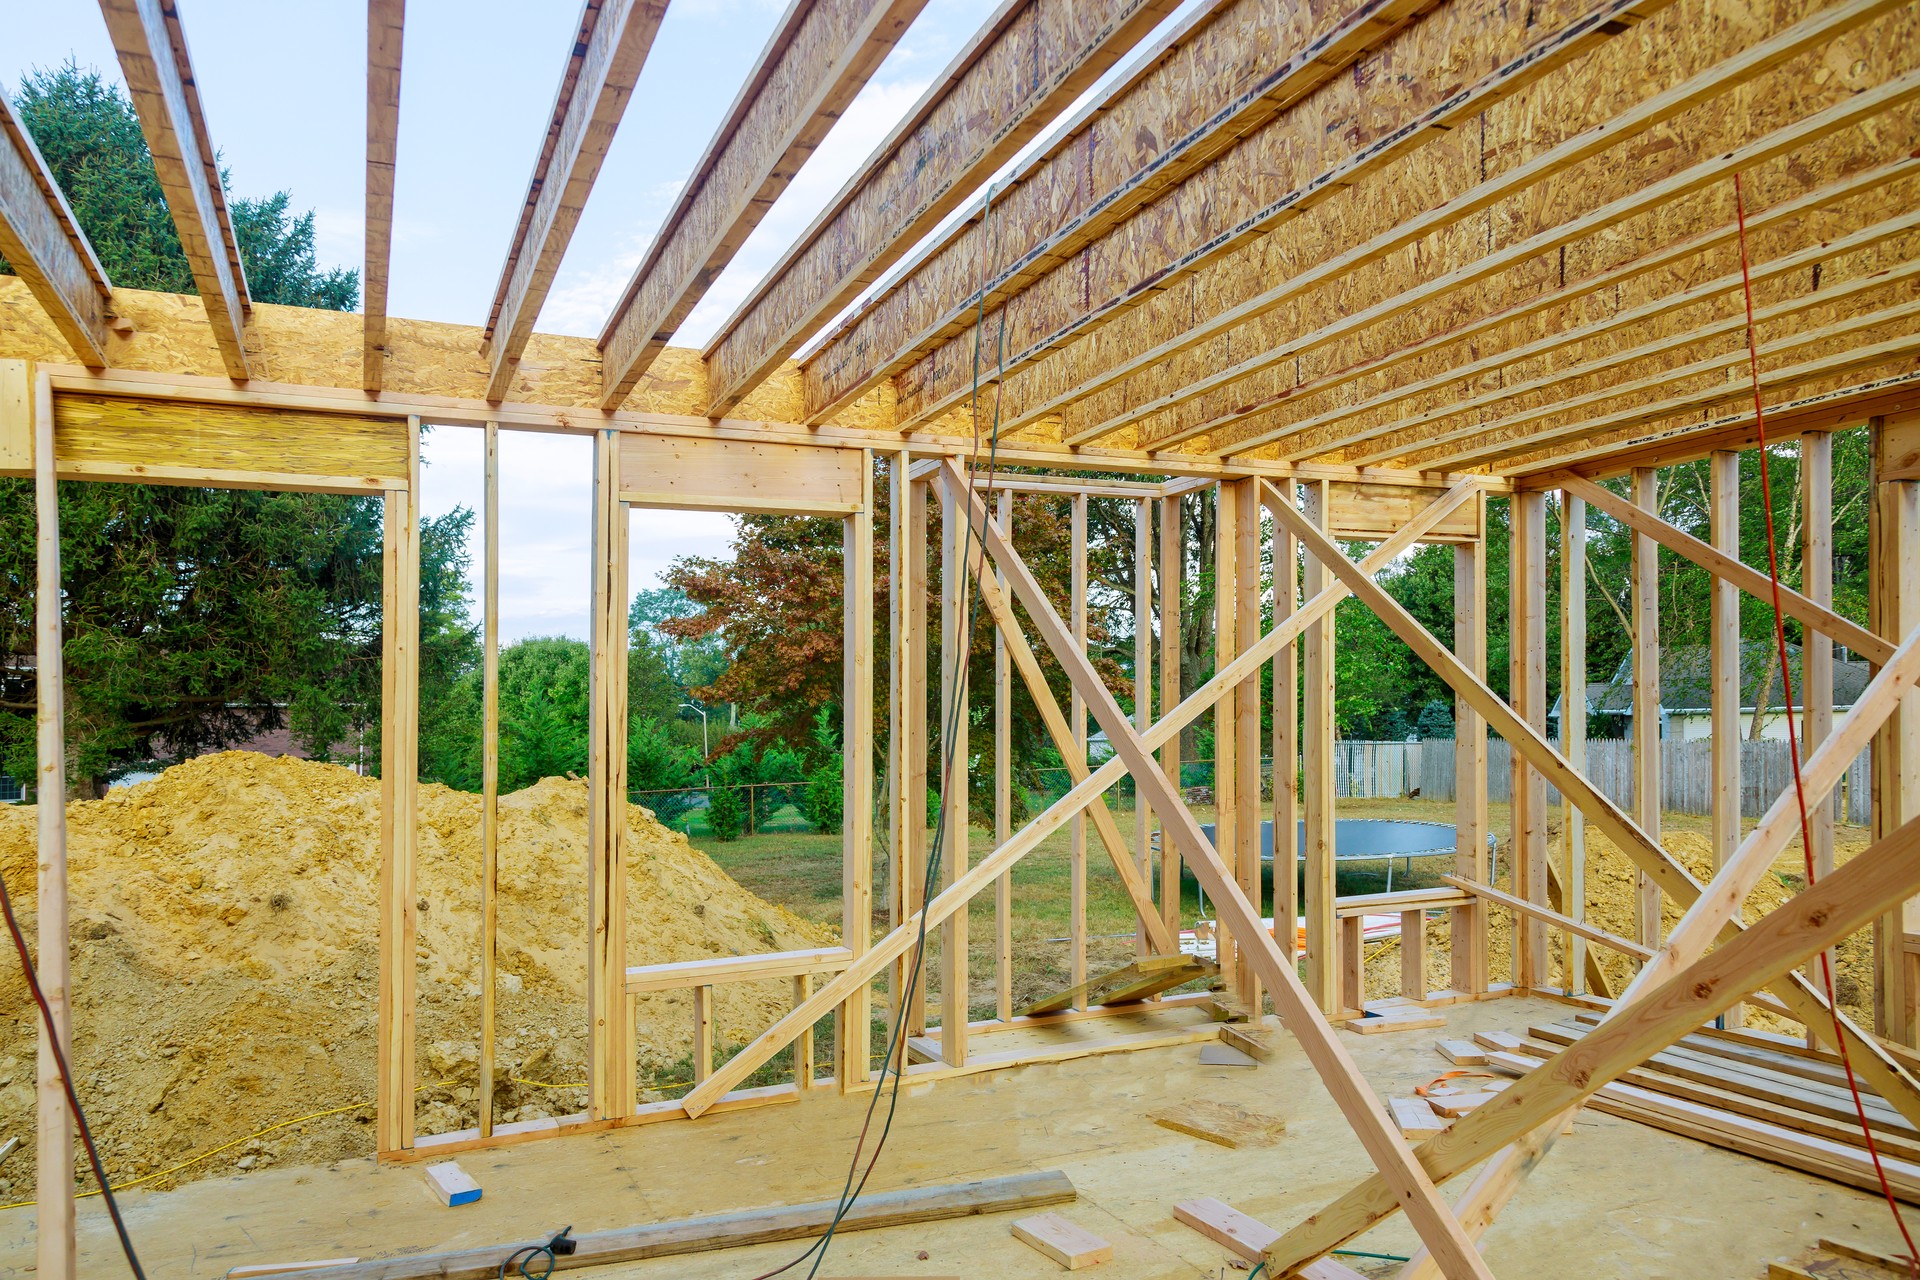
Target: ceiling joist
{"points": [[43, 244], [152, 48], [607, 52], [819, 57], [386, 20], [1026, 65]]}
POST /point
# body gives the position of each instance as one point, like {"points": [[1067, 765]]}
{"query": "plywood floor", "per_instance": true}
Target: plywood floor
{"points": [[1615, 1199]]}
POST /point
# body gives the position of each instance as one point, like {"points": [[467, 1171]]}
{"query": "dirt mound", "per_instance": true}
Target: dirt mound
{"points": [[225, 956]]}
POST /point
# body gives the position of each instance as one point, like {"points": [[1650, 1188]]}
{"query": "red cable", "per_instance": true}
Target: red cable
{"points": [[1793, 742]]}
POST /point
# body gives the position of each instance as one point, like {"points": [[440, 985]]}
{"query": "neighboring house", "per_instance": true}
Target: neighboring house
{"points": [[1686, 692], [11, 792]]}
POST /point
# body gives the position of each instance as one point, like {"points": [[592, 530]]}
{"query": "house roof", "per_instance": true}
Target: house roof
{"points": [[1686, 680]]}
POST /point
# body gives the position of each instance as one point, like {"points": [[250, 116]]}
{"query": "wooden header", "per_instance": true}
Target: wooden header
{"points": [[734, 475], [1368, 512], [220, 446]]}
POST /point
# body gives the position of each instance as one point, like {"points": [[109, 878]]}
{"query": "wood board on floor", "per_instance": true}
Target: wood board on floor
{"points": [[1223, 1123]]}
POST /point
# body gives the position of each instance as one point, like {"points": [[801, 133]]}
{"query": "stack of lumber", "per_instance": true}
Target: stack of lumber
{"points": [[1773, 1099]]}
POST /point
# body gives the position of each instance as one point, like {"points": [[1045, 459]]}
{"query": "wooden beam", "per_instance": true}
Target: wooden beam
{"points": [[1723, 656], [820, 55], [1527, 679], [918, 746], [1245, 585], [1026, 64], [55, 1252], [1003, 798], [1226, 810], [1468, 941], [1649, 525], [873, 1210], [1579, 928], [1894, 591], [1749, 63], [1822, 914], [1173, 573], [955, 757], [902, 804], [1285, 748], [1162, 244], [1142, 691], [1317, 805], [44, 245], [152, 49], [1816, 576], [603, 63], [1382, 1141], [1573, 723], [1648, 706], [1055, 816], [386, 20], [489, 765], [1077, 726], [1229, 69], [856, 739], [610, 1091], [399, 806]]}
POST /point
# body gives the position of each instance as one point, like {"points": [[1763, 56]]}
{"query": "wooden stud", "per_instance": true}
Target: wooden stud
{"points": [[1077, 721], [1644, 607], [1895, 585], [44, 245], [856, 737], [902, 804], [489, 766], [818, 58], [1173, 562], [55, 1251], [610, 1061], [703, 1033], [1527, 678], [1227, 811], [152, 49], [1352, 963], [918, 746], [1413, 954], [1065, 1241], [1225, 1225], [889, 949], [1285, 748], [1245, 495], [1573, 725], [399, 806], [1316, 801], [1468, 935], [1003, 799], [956, 654], [603, 63], [1816, 579], [803, 1045], [1723, 656], [386, 22], [1142, 687]]}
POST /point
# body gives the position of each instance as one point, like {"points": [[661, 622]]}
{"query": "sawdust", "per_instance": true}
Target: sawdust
{"points": [[1611, 881], [225, 952]]}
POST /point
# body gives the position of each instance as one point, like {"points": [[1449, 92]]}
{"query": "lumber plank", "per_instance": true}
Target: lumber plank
{"points": [[44, 245], [1129, 984], [603, 64], [1461, 1053], [1416, 1117], [818, 58], [1065, 1241], [152, 50], [386, 20], [1579, 928], [1225, 1225], [871, 1211], [1221, 1123]]}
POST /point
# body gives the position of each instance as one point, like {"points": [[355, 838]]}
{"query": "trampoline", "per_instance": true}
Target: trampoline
{"points": [[1388, 840]]}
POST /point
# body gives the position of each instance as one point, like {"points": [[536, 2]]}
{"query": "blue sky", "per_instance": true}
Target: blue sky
{"points": [[283, 86]]}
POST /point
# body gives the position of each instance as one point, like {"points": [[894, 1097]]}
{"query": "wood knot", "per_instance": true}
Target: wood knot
{"points": [[1701, 990], [1817, 917]]}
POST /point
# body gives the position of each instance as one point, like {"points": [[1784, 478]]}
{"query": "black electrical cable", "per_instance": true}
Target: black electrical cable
{"points": [[66, 1080], [851, 1190]]}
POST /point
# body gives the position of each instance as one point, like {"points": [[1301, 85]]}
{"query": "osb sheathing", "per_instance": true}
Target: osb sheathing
{"points": [[168, 333], [1677, 44]]}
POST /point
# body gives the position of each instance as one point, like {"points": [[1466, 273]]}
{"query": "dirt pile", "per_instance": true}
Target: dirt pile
{"points": [[225, 954]]}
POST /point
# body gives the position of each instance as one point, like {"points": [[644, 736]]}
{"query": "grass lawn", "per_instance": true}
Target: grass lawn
{"points": [[801, 870]]}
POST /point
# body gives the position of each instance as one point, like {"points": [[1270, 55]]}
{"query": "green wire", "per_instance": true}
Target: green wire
{"points": [[1356, 1253]]}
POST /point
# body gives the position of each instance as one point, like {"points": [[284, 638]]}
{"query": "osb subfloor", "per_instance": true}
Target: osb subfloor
{"points": [[1615, 1199]]}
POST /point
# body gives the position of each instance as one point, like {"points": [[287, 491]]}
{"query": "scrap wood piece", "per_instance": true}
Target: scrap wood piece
{"points": [[256, 1269], [1129, 984], [1223, 1224], [452, 1184], [1860, 1253], [1062, 1239], [1462, 1053], [1014, 1193], [1223, 1123], [1378, 1023], [1416, 1118], [1258, 1041], [1455, 1105], [1499, 1041]]}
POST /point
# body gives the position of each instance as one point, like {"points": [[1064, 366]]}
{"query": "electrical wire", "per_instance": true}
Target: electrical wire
{"points": [[1793, 742], [949, 726], [66, 1077]]}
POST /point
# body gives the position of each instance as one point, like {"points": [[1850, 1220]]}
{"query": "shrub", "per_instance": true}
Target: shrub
{"points": [[726, 813], [825, 801]]}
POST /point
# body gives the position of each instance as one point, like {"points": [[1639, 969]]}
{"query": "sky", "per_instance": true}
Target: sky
{"points": [[282, 83]]}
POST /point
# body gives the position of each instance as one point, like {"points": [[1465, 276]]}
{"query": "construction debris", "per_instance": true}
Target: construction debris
{"points": [[1222, 1123]]}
